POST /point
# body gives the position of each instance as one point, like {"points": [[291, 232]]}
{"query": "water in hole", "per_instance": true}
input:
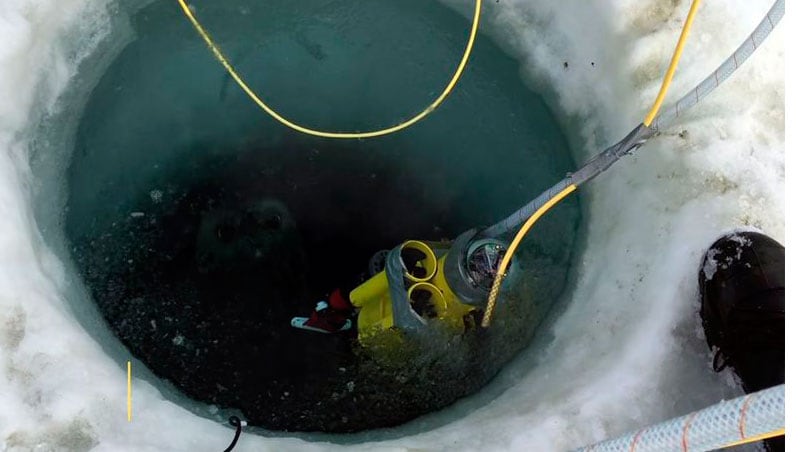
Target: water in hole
{"points": [[200, 226]]}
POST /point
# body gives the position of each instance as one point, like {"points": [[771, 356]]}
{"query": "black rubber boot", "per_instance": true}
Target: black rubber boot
{"points": [[742, 287]]}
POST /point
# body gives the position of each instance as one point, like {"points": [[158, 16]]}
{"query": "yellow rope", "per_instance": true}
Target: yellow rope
{"points": [[500, 274], [752, 439], [673, 65], [341, 135], [494, 294]]}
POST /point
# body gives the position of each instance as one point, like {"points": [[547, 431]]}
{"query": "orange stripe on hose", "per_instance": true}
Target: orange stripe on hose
{"points": [[684, 440], [635, 440], [743, 416]]}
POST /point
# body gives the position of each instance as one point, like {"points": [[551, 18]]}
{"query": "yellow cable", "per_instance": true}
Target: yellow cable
{"points": [[752, 439], [673, 65], [494, 294], [500, 274], [341, 135]]}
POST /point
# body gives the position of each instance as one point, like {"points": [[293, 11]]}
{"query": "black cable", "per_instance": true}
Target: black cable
{"points": [[234, 421]]}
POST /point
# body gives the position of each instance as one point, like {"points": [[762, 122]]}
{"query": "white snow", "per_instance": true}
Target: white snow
{"points": [[627, 350]]}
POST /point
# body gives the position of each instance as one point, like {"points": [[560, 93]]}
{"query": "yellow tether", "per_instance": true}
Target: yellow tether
{"points": [[670, 72], [673, 64], [500, 273], [341, 135]]}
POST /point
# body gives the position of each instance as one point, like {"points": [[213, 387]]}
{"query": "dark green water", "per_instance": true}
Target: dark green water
{"points": [[201, 226]]}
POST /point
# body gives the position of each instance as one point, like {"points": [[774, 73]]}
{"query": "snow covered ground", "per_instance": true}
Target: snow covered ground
{"points": [[626, 351]]}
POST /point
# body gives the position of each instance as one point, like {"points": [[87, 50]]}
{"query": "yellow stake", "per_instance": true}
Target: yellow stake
{"points": [[129, 391], [753, 439]]}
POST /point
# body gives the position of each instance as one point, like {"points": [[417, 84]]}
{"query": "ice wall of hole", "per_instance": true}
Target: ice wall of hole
{"points": [[198, 227]]}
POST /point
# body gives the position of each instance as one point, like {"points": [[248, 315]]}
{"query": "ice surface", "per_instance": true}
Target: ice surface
{"points": [[627, 350]]}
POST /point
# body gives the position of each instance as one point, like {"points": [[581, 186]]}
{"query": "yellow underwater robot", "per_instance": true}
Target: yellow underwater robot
{"points": [[425, 282]]}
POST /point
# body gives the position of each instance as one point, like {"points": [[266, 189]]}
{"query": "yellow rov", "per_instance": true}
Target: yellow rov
{"points": [[424, 282]]}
